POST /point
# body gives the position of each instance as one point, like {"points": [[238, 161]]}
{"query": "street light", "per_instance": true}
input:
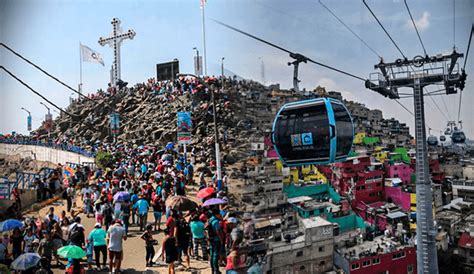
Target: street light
{"points": [[49, 111], [28, 119], [216, 132], [48, 120], [29, 113], [197, 64]]}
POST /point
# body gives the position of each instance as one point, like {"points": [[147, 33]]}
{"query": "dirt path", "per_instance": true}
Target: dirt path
{"points": [[134, 246]]}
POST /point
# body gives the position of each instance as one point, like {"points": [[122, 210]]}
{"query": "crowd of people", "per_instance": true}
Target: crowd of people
{"points": [[140, 180]]}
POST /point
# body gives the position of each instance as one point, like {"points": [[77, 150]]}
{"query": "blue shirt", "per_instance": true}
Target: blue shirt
{"points": [[215, 226], [197, 228], [142, 206], [134, 198]]}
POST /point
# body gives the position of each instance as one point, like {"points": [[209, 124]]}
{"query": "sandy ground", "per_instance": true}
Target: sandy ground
{"points": [[134, 246]]}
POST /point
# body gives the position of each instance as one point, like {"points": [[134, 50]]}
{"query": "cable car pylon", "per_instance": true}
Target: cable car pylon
{"points": [[298, 58]]}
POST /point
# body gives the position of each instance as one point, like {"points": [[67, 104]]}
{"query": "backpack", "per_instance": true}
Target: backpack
{"points": [[107, 210], [210, 230]]}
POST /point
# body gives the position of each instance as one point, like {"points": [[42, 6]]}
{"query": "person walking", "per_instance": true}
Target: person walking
{"points": [[214, 232], [199, 238], [98, 237], [116, 235], [183, 236], [147, 236], [158, 208], [142, 206], [70, 192], [125, 214], [169, 250]]}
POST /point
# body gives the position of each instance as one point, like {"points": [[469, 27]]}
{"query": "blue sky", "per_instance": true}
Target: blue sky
{"points": [[49, 31]]}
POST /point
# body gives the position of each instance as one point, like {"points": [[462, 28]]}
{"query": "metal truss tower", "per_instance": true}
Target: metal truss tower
{"points": [[416, 74]]}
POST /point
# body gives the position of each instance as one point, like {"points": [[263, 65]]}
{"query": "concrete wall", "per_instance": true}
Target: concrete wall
{"points": [[27, 196], [41, 153]]}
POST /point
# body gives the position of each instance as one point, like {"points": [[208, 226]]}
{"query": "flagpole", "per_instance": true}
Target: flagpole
{"points": [[203, 3], [80, 67]]}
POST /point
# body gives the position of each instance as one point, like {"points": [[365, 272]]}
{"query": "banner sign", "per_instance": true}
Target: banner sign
{"points": [[115, 121], [167, 71], [185, 126], [28, 122]]}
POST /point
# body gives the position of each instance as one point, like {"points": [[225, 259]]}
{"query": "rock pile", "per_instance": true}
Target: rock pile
{"points": [[148, 119]]}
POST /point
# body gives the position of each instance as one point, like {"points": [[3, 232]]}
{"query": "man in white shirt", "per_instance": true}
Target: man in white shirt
{"points": [[115, 237]]}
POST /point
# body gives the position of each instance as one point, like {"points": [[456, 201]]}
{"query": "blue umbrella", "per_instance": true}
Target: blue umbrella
{"points": [[10, 224], [169, 146], [26, 261], [121, 196]]}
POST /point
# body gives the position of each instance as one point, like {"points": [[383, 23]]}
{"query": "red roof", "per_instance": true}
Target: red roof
{"points": [[466, 241]]}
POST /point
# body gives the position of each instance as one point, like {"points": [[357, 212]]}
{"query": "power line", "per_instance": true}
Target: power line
{"points": [[45, 72], [468, 47], [416, 29], [447, 119], [289, 52], [35, 92], [403, 106], [348, 28], [386, 32]]}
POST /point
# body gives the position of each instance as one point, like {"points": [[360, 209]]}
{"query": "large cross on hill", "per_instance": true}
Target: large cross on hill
{"points": [[114, 41]]}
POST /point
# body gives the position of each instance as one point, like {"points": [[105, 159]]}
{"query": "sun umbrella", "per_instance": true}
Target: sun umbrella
{"points": [[180, 203], [10, 224], [169, 146], [26, 261], [214, 201], [121, 196], [71, 252], [205, 192]]}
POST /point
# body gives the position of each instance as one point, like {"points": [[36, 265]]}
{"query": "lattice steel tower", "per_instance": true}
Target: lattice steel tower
{"points": [[416, 74]]}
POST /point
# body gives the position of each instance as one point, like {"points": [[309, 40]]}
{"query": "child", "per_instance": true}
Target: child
{"points": [[89, 254]]}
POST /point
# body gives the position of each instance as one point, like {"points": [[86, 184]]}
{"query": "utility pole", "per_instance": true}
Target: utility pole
{"points": [[212, 89], [416, 74], [222, 72], [216, 139]]}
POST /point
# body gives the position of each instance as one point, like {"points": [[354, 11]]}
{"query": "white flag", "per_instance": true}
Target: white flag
{"points": [[89, 55]]}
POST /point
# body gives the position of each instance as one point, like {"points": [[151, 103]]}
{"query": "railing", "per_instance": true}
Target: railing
{"points": [[65, 147], [5, 188], [24, 180]]}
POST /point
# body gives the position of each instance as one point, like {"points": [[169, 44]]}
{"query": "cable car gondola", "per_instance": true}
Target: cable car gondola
{"points": [[442, 138], [315, 131], [432, 140], [458, 137]]}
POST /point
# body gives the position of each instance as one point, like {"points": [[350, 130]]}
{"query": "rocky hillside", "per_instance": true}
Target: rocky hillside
{"points": [[149, 119]]}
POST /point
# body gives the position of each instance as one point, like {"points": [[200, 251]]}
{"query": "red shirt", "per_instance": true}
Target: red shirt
{"points": [[171, 225]]}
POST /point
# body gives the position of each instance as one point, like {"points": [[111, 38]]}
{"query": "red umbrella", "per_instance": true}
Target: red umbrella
{"points": [[205, 192]]}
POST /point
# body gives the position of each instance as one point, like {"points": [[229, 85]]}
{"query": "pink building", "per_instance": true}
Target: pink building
{"points": [[398, 170], [396, 195]]}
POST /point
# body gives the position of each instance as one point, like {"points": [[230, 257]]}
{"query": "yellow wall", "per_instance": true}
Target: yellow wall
{"points": [[359, 137]]}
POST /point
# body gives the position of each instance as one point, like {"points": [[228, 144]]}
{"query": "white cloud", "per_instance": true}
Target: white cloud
{"points": [[422, 24]]}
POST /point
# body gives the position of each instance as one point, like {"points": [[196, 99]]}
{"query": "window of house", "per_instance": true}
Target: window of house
{"points": [[410, 269], [299, 253], [365, 263], [376, 261], [321, 249], [302, 267], [355, 266]]}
